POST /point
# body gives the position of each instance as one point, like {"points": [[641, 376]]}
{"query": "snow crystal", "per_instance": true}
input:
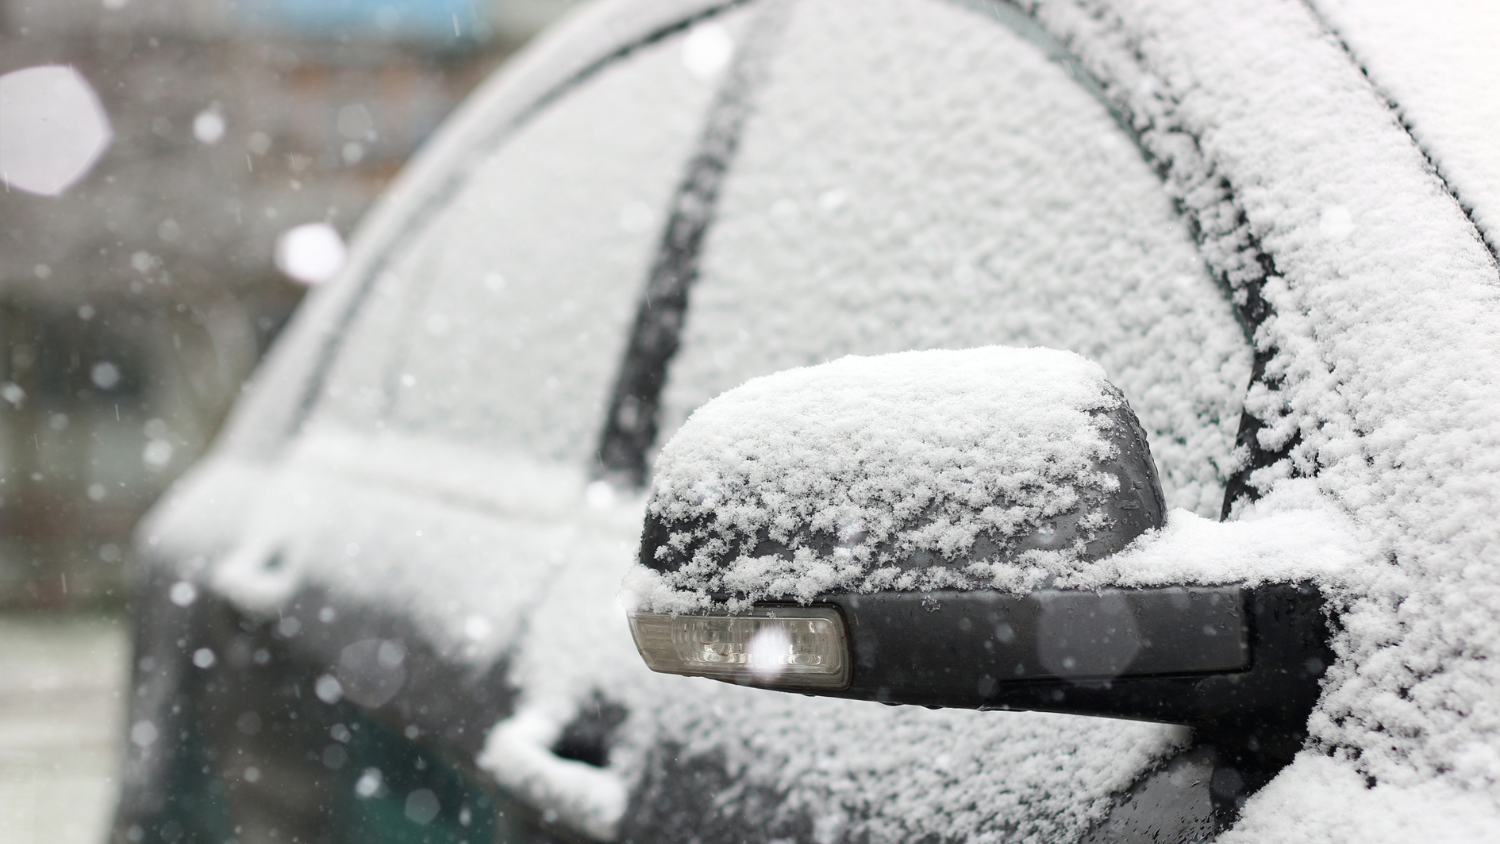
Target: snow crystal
{"points": [[422, 806], [707, 50], [311, 253], [369, 783], [208, 126], [143, 733], [328, 689], [105, 375], [183, 593], [54, 129]]}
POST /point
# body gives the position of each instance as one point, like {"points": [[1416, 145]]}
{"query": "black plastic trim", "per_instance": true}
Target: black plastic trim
{"points": [[631, 424], [913, 648], [961, 647]]}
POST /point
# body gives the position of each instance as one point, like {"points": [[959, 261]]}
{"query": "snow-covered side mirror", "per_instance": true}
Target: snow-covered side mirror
{"points": [[903, 529]]}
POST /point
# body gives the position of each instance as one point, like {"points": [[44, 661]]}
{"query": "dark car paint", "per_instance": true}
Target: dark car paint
{"points": [[256, 706]]}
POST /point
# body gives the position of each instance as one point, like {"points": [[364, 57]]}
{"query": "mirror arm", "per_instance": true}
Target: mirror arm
{"points": [[1237, 662]]}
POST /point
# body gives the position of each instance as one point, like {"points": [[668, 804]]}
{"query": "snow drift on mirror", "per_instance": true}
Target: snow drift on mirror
{"points": [[895, 457]]}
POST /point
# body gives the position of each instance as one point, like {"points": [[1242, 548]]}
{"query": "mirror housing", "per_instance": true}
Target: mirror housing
{"points": [[790, 498]]}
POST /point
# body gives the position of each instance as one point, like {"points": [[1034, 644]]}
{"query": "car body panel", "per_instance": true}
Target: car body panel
{"points": [[1367, 294]]}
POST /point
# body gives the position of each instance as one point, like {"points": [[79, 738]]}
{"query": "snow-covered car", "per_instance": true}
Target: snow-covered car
{"points": [[1174, 397]]}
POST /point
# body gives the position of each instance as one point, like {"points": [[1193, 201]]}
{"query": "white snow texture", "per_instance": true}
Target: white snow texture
{"points": [[893, 455], [916, 175]]}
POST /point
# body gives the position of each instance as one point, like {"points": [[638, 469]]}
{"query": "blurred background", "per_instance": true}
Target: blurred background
{"points": [[176, 174]]}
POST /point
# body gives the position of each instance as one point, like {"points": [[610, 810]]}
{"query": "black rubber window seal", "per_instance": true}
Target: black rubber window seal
{"points": [[633, 420]]}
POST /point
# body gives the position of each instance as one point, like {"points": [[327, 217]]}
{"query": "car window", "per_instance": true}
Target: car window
{"points": [[980, 196], [500, 321]]}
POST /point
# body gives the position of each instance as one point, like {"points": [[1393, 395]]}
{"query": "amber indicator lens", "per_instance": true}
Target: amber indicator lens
{"points": [[776, 647]]}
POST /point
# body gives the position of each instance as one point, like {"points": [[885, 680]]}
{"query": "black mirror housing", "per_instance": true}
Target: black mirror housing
{"points": [[1225, 659], [913, 470]]}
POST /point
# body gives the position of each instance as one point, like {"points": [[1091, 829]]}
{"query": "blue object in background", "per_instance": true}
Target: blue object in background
{"points": [[443, 20]]}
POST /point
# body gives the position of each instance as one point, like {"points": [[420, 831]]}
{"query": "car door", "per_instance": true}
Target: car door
{"points": [[333, 597]]}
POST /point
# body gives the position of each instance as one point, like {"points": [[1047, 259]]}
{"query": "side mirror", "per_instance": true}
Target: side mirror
{"points": [[903, 528]]}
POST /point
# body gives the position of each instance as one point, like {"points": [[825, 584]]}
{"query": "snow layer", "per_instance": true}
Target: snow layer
{"points": [[518, 754], [863, 772], [565, 55], [500, 316], [1320, 800], [976, 196], [1385, 333], [895, 455], [1287, 546], [1439, 64], [460, 542]]}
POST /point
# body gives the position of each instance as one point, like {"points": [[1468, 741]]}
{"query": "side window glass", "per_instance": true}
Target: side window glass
{"points": [[500, 320], [979, 196]]}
